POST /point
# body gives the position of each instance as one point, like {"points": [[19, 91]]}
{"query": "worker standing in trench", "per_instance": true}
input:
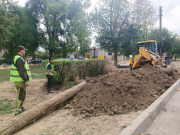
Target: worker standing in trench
{"points": [[20, 74], [49, 74]]}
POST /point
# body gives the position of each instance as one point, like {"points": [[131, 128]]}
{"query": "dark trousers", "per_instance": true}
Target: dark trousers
{"points": [[50, 80]]}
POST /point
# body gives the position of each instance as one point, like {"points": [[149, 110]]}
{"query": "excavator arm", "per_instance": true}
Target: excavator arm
{"points": [[143, 53]]}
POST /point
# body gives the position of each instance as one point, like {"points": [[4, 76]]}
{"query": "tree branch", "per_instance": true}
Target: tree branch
{"points": [[111, 17], [119, 33], [115, 23], [104, 20]]}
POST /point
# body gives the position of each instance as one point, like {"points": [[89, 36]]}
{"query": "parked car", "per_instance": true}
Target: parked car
{"points": [[75, 59]]}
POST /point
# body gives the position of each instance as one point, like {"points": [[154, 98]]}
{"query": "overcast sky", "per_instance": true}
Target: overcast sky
{"points": [[171, 14], [170, 11]]}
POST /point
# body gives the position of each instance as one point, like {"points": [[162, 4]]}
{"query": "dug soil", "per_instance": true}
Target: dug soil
{"points": [[119, 92], [61, 121]]}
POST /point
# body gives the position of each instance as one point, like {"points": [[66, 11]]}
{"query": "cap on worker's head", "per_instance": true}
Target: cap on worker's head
{"points": [[50, 58], [19, 48]]}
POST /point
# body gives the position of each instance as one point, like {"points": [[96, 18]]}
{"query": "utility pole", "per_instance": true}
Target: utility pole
{"points": [[160, 15]]}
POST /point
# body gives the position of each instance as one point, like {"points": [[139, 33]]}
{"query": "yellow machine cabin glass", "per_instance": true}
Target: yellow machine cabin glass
{"points": [[150, 46]]}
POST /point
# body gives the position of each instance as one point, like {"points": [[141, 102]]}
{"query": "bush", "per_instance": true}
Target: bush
{"points": [[87, 55], [68, 70]]}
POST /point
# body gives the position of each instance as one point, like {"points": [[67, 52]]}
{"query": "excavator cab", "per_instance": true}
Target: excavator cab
{"points": [[150, 45]]}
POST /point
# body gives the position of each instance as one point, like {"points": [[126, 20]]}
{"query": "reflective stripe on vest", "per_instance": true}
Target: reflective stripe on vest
{"points": [[50, 71], [14, 74]]}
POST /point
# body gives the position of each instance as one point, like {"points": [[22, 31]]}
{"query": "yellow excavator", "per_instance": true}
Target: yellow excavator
{"points": [[147, 53]]}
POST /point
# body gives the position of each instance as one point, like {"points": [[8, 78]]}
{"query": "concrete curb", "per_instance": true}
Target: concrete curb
{"points": [[144, 120]]}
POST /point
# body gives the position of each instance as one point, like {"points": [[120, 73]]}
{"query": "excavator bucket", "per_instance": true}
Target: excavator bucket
{"points": [[167, 70]]}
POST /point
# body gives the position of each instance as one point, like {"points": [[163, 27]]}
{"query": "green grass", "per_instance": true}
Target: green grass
{"points": [[4, 75], [6, 107], [69, 85], [39, 70]]}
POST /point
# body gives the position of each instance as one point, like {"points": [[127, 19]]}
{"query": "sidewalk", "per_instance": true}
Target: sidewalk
{"points": [[168, 120], [124, 63]]}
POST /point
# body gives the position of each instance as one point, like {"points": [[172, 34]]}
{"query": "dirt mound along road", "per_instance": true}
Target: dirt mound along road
{"points": [[110, 67], [118, 92]]}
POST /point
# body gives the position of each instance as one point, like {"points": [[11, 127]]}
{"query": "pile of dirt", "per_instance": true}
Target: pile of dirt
{"points": [[119, 92], [110, 67]]}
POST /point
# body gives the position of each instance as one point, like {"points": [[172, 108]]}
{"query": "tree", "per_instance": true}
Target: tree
{"points": [[82, 33], [6, 20], [175, 46], [80, 28], [57, 16], [144, 14], [110, 18], [170, 41], [24, 33], [129, 37]]}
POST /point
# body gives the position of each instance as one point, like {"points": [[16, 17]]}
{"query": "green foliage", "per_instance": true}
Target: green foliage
{"points": [[129, 37], [25, 32], [170, 42], [5, 61], [43, 55], [67, 70], [144, 15], [6, 106], [69, 85], [7, 20], [61, 18], [118, 25], [109, 19]]}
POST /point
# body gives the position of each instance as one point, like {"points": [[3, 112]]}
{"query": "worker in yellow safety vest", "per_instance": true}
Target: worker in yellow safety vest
{"points": [[21, 76], [49, 74]]}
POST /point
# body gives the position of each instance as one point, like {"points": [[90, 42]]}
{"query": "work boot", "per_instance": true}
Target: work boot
{"points": [[18, 112], [49, 90], [23, 109]]}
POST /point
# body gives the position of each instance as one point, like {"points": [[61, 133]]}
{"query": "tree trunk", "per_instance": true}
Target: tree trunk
{"points": [[171, 56], [50, 52], [13, 125], [115, 60], [94, 52], [175, 57]]}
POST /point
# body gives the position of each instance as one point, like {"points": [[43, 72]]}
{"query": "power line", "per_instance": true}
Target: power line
{"points": [[170, 24], [171, 20], [158, 4]]}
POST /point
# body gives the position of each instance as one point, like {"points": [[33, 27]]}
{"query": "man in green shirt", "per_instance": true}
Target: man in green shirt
{"points": [[21, 76], [49, 74]]}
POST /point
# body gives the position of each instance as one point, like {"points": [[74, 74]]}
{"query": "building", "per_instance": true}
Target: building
{"points": [[101, 54]]}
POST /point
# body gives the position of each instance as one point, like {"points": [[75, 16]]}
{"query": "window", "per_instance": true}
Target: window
{"points": [[103, 53], [109, 53], [92, 53], [97, 53]]}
